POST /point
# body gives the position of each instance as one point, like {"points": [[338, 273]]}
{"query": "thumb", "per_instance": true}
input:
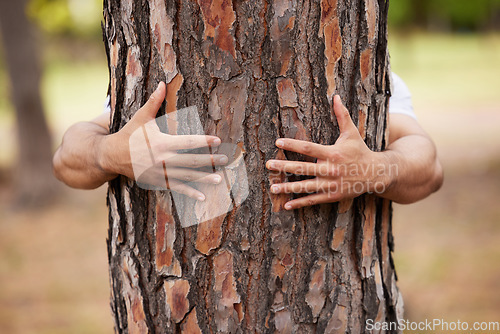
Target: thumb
{"points": [[150, 108], [343, 117]]}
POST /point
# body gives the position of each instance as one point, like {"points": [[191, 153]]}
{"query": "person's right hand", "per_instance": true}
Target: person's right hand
{"points": [[155, 152]]}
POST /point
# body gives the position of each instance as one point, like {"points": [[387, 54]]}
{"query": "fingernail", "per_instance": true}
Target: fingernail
{"points": [[217, 141], [271, 165], [280, 143], [201, 198], [217, 179], [288, 206], [275, 189], [339, 100], [222, 160]]}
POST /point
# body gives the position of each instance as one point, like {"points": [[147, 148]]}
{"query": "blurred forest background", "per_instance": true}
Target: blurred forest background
{"points": [[447, 246]]}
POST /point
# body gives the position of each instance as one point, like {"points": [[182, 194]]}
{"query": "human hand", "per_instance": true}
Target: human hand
{"points": [[344, 170], [155, 154]]}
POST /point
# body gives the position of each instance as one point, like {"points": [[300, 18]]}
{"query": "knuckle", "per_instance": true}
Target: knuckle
{"points": [[311, 187], [307, 148], [195, 161], [333, 155], [156, 144], [333, 197], [332, 187], [300, 169], [330, 170], [156, 147]]}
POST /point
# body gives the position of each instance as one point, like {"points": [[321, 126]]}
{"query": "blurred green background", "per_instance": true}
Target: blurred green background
{"points": [[53, 264]]}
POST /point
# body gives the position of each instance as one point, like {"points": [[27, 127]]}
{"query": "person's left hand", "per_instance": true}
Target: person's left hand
{"points": [[344, 170]]}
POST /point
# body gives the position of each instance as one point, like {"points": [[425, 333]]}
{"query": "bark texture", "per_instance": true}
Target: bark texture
{"points": [[256, 70], [34, 182]]}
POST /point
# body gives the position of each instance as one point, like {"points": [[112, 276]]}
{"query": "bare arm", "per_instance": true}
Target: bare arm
{"points": [[89, 156], [418, 172], [407, 171], [78, 162]]}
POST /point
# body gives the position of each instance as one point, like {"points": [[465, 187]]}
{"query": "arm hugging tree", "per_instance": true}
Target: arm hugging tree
{"points": [[256, 71]]}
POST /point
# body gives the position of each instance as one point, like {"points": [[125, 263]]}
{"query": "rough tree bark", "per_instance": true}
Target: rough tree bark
{"points": [[256, 70], [34, 182]]}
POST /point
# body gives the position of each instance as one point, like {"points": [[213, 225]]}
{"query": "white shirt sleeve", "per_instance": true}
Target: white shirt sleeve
{"points": [[400, 101], [107, 105]]}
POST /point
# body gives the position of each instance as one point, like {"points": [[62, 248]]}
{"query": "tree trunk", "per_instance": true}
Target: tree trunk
{"points": [[256, 71], [34, 182]]}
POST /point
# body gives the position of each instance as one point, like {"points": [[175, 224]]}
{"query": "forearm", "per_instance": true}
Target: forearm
{"points": [[412, 170], [79, 161]]}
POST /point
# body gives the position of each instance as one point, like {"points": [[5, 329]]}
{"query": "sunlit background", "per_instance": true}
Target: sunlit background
{"points": [[53, 263]]}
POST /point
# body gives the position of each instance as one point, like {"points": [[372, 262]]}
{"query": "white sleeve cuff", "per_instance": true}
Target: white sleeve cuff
{"points": [[107, 105], [400, 101]]}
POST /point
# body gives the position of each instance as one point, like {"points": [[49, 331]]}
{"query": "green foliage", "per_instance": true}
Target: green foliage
{"points": [[67, 17], [400, 13], [456, 15], [52, 16], [464, 14]]}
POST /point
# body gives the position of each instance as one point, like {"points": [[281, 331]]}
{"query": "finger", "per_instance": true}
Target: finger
{"points": [[184, 189], [300, 168], [159, 179], [150, 108], [304, 187], [193, 176], [304, 147], [344, 119], [184, 142], [311, 200], [196, 160]]}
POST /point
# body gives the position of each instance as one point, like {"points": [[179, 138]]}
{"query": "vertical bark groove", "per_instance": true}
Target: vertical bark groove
{"points": [[256, 71]]}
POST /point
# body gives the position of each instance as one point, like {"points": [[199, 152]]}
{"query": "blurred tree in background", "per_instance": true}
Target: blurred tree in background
{"points": [[35, 35], [33, 183]]}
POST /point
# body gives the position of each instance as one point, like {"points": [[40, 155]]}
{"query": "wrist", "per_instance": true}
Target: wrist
{"points": [[106, 149], [385, 172]]}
